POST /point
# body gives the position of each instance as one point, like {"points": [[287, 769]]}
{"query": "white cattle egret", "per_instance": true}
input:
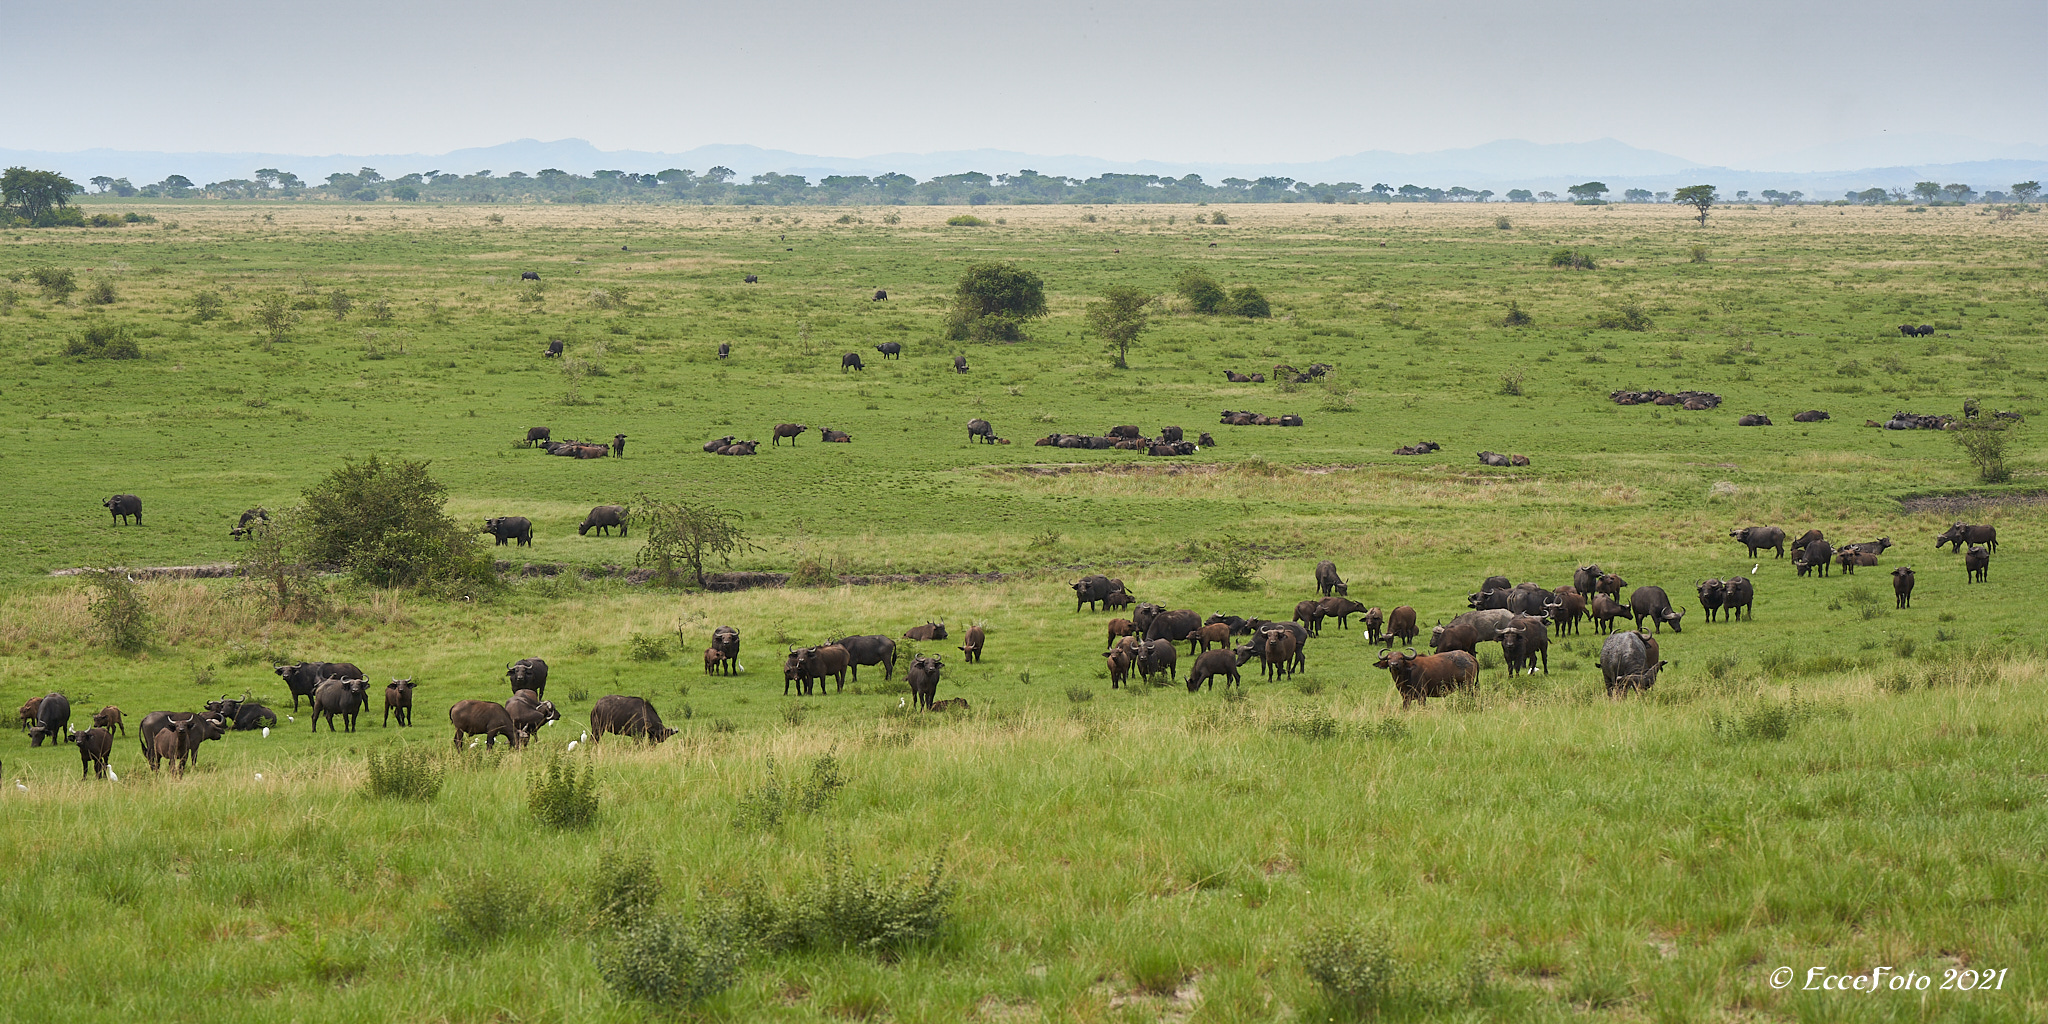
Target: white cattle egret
{"points": [[266, 732], [21, 787], [1754, 568], [572, 745], [259, 776], [585, 736], [111, 777]]}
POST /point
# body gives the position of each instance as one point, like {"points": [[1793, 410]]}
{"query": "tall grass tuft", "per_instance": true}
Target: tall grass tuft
{"points": [[560, 797], [624, 890], [482, 908], [407, 773], [1229, 564], [764, 809], [1352, 964]]}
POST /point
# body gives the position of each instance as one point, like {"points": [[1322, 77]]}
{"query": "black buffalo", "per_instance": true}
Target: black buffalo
{"points": [[1961, 533], [724, 349], [1090, 590], [980, 428], [880, 295], [890, 349], [850, 361], [510, 528], [873, 649], [959, 364], [603, 518], [529, 276], [713, 446], [344, 697], [554, 348], [305, 677], [124, 506], [53, 720], [532, 674]]}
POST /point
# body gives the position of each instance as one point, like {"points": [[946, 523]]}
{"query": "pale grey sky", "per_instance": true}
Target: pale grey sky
{"points": [[1295, 80]]}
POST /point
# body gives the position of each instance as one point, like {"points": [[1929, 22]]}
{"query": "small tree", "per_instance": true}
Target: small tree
{"points": [[120, 615], [1984, 445], [386, 523], [1247, 301], [1120, 318], [2026, 191], [994, 301], [1590, 191], [276, 568], [686, 535], [274, 313], [35, 195], [1204, 295], [1700, 197]]}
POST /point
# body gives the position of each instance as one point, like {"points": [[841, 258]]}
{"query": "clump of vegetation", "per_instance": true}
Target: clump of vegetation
{"points": [[206, 306], [386, 523], [686, 535], [558, 796], [1572, 259], [994, 301], [1629, 316], [100, 293], [57, 283], [1354, 966], [1984, 446], [1309, 723], [1120, 318], [1764, 719], [647, 647], [482, 908], [274, 313], [669, 962], [1511, 382], [1246, 301], [1228, 563], [103, 340], [965, 220], [765, 808], [1201, 291], [1699, 254], [340, 303], [1080, 694], [120, 614], [1502, 222], [1516, 317], [624, 891], [406, 773]]}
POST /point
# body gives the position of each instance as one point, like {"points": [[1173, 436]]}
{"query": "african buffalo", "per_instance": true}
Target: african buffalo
{"points": [[1117, 628], [1809, 416], [1401, 624], [959, 364], [1567, 611], [529, 275], [1373, 620], [602, 518], [1493, 459], [1170, 435], [95, 746], [1327, 580], [1418, 677], [554, 349], [305, 677], [1341, 609], [751, 279], [529, 713], [714, 445], [1523, 643], [1757, 538], [510, 528], [1902, 586], [831, 436], [1627, 654], [972, 648], [1310, 613], [1277, 656], [788, 430], [618, 446], [929, 631], [1739, 598], [1458, 636], [1118, 662], [815, 663], [724, 349], [252, 521], [1157, 656], [923, 677], [1586, 580], [109, 718], [850, 361], [1875, 547], [124, 506], [627, 716], [1960, 534], [53, 720], [1212, 664], [1849, 559], [344, 697], [1210, 634], [528, 674], [398, 698], [1712, 593], [871, 649], [1604, 610], [1653, 604], [488, 720], [726, 640], [1976, 562], [980, 428], [1815, 557], [1174, 625], [1092, 590], [881, 295], [1754, 420], [740, 448], [168, 744], [197, 729]]}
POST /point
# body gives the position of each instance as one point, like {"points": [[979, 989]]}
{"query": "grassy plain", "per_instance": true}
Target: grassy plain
{"points": [[1872, 795]]}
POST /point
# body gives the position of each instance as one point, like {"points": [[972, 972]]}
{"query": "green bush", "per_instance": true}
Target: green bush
{"points": [[1515, 316], [647, 647], [1201, 291], [1080, 694], [965, 220], [624, 891], [1353, 965], [669, 963], [765, 808], [1309, 723], [482, 908], [385, 522], [101, 293], [407, 773], [206, 306], [103, 340], [1985, 447], [1571, 259], [993, 302], [1246, 301], [1228, 563], [120, 614], [867, 910], [1629, 316], [559, 797]]}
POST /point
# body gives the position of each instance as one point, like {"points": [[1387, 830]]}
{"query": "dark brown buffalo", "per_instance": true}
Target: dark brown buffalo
{"points": [[95, 747], [344, 697], [528, 674], [850, 361], [1310, 613], [1851, 560], [1977, 563], [727, 641], [1212, 664], [890, 349], [871, 649], [1902, 586], [1174, 625], [923, 677], [1155, 657], [951, 704], [1117, 628], [1458, 636], [1740, 597], [124, 507], [816, 663], [1604, 611], [1341, 609], [972, 648], [1119, 663], [788, 430], [303, 678], [831, 436], [1401, 624], [1757, 538], [1809, 416], [1807, 538], [109, 718], [1586, 580], [1327, 580], [1567, 611], [529, 713], [740, 448], [718, 444], [485, 719], [959, 364], [751, 279], [1524, 643], [603, 518], [980, 428], [1277, 657], [168, 745], [1815, 557], [398, 698], [1373, 620], [1211, 634], [1653, 604], [52, 721], [198, 729], [627, 716], [510, 528], [1754, 420], [929, 631], [1418, 677], [28, 711], [1961, 533]]}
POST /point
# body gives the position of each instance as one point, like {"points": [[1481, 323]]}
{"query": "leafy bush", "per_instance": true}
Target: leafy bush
{"points": [[1699, 254], [559, 797], [993, 302], [764, 809], [1246, 301], [1985, 447], [965, 220], [1080, 694], [668, 962], [56, 282], [1228, 564], [1629, 316], [1502, 222], [1515, 316], [274, 313], [1765, 719], [1201, 291], [206, 306], [1511, 382], [482, 908], [647, 647], [101, 293], [407, 773], [1218, 218], [120, 615], [1353, 965], [103, 340], [1571, 259], [624, 891], [385, 522], [869, 911]]}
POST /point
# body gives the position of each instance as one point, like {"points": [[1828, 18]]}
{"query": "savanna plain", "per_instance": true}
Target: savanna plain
{"points": [[1836, 782]]}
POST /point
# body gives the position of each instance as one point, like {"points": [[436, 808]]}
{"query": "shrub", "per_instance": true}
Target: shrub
{"points": [[1511, 382], [624, 890], [386, 523], [1629, 316], [1985, 447], [965, 220], [559, 797], [669, 963], [1699, 254], [101, 293], [274, 313], [57, 283], [339, 303], [1228, 564], [1390, 728], [1201, 291], [1353, 965], [482, 908], [1765, 719], [1516, 317], [647, 647], [1502, 222], [120, 615], [407, 773], [1310, 723], [206, 306], [765, 808], [685, 535], [1246, 301], [1571, 259], [993, 302], [869, 911], [103, 340], [1218, 218], [1080, 694]]}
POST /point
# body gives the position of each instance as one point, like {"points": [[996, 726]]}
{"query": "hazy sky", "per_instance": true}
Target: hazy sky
{"points": [[1198, 80]]}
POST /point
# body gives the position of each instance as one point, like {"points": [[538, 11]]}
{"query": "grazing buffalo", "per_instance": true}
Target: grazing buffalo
{"points": [[1960, 534], [398, 698], [1173, 626], [95, 746], [923, 677], [1902, 586], [972, 648], [168, 744], [528, 674], [529, 275], [627, 716], [252, 521], [1653, 604], [981, 429], [1628, 660], [1310, 613], [1807, 538], [1341, 609], [1809, 416], [959, 364], [890, 349], [530, 713], [929, 631], [726, 640], [1091, 590], [124, 506], [850, 361], [603, 518], [305, 677], [1712, 594], [1758, 538], [52, 720], [1977, 563], [881, 295], [1815, 557], [788, 430], [1567, 610], [1740, 598], [1604, 611], [1217, 663], [751, 279], [1155, 657], [510, 528], [488, 720], [872, 649], [1401, 624], [554, 349], [344, 697], [109, 718], [1327, 580], [1418, 677], [1458, 636], [724, 349], [1525, 642]]}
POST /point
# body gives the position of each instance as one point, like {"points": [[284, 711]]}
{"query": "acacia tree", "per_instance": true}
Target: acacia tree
{"points": [[1700, 197], [1120, 318], [1589, 191], [687, 535], [2025, 191], [32, 195], [993, 302]]}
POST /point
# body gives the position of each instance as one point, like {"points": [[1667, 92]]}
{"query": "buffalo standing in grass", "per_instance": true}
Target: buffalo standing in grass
{"points": [[850, 361], [485, 719], [95, 747], [124, 507], [1977, 563], [305, 677], [923, 677], [1327, 580], [1401, 624], [788, 430], [604, 518], [1628, 661], [1902, 586], [52, 720], [980, 428], [972, 648], [1653, 604], [1217, 663], [528, 674], [1418, 677], [871, 649], [1757, 538], [890, 349], [627, 716], [344, 697], [398, 698], [1739, 599], [1960, 534], [510, 528], [726, 640]]}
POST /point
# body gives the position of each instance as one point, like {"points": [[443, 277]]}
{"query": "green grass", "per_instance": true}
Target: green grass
{"points": [[1838, 782]]}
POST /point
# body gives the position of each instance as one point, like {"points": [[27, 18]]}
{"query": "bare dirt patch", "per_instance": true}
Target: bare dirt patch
{"points": [[1960, 504]]}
